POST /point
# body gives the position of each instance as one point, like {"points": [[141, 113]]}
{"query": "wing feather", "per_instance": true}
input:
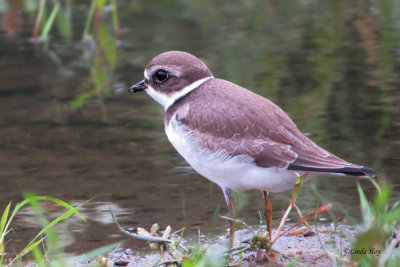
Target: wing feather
{"points": [[240, 122]]}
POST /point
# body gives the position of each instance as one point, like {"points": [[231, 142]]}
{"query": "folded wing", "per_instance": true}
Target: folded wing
{"points": [[251, 125]]}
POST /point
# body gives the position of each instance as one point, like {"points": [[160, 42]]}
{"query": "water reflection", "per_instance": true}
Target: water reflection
{"points": [[67, 131]]}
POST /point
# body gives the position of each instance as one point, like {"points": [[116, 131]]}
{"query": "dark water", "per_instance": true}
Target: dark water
{"points": [[332, 66]]}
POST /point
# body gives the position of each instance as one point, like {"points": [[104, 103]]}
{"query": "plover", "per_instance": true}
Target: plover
{"points": [[232, 136]]}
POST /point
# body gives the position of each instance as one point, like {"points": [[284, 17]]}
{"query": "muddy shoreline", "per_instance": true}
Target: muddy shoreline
{"points": [[324, 246]]}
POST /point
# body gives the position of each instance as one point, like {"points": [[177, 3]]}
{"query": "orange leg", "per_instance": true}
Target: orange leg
{"points": [[268, 213], [231, 206]]}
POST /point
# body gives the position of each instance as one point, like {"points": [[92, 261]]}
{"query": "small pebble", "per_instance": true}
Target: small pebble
{"points": [[308, 233], [121, 263], [261, 256], [118, 254], [129, 252]]}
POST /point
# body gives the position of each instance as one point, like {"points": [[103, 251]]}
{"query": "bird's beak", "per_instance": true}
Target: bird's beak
{"points": [[140, 86]]}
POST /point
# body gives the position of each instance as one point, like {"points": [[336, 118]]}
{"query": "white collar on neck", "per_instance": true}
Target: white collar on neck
{"points": [[167, 100]]}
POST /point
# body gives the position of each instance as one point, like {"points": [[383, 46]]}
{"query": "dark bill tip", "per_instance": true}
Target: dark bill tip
{"points": [[140, 86]]}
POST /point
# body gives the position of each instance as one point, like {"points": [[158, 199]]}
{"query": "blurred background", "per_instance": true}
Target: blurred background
{"points": [[70, 129]]}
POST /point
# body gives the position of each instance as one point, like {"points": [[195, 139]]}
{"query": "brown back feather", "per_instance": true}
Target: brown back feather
{"points": [[231, 118]]}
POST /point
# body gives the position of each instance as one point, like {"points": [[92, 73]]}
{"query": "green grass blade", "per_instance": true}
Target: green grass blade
{"points": [[184, 217], [108, 44], [39, 18], [30, 198], [115, 17], [378, 188], [64, 26], [214, 221], [365, 207], [50, 21], [3, 231], [393, 216], [39, 257], [99, 76], [81, 99], [4, 218], [89, 20], [381, 200], [101, 4], [46, 229], [31, 247], [16, 209], [396, 204], [37, 209], [293, 262], [57, 220], [93, 254], [316, 192]]}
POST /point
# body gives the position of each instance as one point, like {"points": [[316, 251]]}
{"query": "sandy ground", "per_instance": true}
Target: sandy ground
{"points": [[327, 248]]}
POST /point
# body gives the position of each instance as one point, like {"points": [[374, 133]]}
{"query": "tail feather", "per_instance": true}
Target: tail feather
{"points": [[352, 171]]}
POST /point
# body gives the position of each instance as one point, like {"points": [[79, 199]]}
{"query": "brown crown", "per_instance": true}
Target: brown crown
{"points": [[183, 67]]}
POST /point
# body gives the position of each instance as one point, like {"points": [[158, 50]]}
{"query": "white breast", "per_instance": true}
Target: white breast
{"points": [[236, 173]]}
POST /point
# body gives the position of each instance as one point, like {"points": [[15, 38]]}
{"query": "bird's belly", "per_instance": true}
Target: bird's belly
{"points": [[236, 173]]}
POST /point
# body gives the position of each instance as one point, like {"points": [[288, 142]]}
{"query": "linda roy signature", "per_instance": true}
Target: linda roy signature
{"points": [[363, 251]]}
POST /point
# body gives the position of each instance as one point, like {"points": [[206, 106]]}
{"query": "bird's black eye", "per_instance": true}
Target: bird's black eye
{"points": [[161, 75]]}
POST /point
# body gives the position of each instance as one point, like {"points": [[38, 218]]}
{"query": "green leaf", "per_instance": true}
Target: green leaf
{"points": [[32, 199], [101, 4], [214, 221], [64, 26], [81, 99], [381, 199], [365, 207], [89, 20], [16, 209], [115, 18], [93, 254], [31, 5], [31, 247], [4, 218], [50, 21], [45, 229], [397, 203], [38, 255], [3, 230], [99, 76], [378, 188], [393, 216], [36, 207], [55, 200], [57, 220], [293, 263], [108, 45]]}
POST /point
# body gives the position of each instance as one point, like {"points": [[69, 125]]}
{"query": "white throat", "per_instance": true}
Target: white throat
{"points": [[167, 100]]}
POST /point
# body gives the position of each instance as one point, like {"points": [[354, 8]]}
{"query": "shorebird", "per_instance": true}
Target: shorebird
{"points": [[232, 136]]}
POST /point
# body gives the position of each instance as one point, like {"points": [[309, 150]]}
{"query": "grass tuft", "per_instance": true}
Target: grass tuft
{"points": [[44, 248]]}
